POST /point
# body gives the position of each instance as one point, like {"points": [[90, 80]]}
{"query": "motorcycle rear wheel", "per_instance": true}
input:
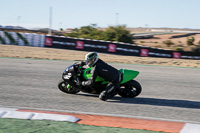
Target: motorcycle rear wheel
{"points": [[130, 89], [62, 85]]}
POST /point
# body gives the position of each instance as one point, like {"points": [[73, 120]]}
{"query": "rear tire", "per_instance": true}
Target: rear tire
{"points": [[62, 85], [130, 89]]}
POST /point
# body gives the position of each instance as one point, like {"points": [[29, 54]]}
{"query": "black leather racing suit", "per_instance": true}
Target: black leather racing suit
{"points": [[107, 72]]}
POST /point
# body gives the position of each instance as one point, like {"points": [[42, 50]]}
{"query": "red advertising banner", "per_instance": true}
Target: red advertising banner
{"points": [[48, 42], [112, 48], [176, 55], [144, 52], [79, 44]]}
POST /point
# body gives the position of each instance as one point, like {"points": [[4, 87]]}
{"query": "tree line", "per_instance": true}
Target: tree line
{"points": [[112, 33]]}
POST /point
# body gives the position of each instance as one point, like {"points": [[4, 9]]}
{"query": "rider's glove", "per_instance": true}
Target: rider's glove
{"points": [[83, 63], [83, 83]]}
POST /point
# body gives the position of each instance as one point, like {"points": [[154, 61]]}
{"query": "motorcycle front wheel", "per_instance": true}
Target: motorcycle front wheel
{"points": [[62, 85], [130, 89]]}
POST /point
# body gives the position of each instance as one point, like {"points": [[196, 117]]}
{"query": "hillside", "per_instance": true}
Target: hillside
{"points": [[157, 41]]}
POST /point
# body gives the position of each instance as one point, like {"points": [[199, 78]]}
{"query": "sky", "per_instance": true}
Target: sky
{"points": [[104, 13]]}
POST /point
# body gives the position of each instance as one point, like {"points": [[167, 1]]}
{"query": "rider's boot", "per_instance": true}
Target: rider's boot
{"points": [[106, 94], [103, 96]]}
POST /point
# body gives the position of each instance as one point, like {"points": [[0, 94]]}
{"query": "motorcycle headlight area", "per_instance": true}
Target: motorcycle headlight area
{"points": [[68, 76], [66, 70]]}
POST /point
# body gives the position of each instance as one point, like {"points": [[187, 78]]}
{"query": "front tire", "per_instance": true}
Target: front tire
{"points": [[130, 89], [62, 85]]}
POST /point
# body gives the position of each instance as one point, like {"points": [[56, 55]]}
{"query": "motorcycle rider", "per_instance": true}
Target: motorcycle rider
{"points": [[105, 71]]}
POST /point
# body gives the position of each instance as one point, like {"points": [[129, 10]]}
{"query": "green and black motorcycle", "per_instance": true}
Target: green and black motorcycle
{"points": [[73, 74]]}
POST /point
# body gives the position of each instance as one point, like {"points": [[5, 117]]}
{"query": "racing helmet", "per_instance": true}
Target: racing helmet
{"points": [[91, 58]]}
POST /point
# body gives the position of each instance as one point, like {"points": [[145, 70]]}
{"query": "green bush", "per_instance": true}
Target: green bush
{"points": [[196, 49], [179, 48], [168, 43], [190, 40]]}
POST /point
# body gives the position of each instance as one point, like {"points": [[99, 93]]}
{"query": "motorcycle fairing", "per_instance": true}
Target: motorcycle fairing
{"points": [[127, 75]]}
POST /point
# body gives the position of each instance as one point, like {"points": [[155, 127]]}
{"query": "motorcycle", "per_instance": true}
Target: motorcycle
{"points": [[75, 73]]}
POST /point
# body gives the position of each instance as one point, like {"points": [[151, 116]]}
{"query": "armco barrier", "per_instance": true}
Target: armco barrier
{"points": [[30, 39], [115, 48], [185, 35], [91, 45]]}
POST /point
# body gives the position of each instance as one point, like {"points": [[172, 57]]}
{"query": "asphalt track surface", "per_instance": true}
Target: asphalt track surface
{"points": [[169, 93]]}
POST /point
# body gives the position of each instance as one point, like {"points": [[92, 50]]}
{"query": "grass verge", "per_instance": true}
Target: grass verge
{"points": [[46, 126]]}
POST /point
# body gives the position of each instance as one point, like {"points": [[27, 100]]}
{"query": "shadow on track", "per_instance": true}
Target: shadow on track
{"points": [[88, 95], [157, 102], [150, 101]]}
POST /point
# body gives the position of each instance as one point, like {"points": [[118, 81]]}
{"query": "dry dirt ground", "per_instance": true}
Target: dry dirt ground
{"points": [[62, 54], [157, 42]]}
